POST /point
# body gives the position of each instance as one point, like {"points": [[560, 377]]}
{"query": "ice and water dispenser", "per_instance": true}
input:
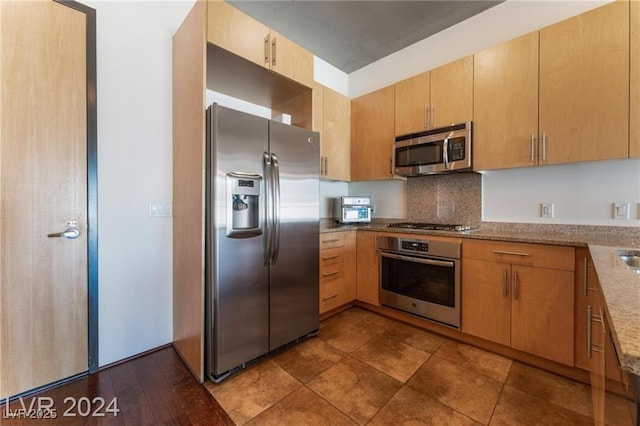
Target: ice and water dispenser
{"points": [[243, 205]]}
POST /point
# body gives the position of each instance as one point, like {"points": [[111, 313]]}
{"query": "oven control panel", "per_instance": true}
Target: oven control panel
{"points": [[415, 246]]}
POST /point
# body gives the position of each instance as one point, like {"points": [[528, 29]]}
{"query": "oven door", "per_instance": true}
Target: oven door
{"points": [[425, 286]]}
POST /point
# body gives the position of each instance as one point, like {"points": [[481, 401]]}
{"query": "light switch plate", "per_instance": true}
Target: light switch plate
{"points": [[160, 209], [621, 210]]}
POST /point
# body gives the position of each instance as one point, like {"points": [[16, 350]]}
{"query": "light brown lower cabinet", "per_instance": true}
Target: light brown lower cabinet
{"points": [[595, 352], [368, 268], [337, 269], [520, 295]]}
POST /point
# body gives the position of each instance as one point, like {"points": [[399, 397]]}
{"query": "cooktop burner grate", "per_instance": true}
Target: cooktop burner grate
{"points": [[430, 226]]}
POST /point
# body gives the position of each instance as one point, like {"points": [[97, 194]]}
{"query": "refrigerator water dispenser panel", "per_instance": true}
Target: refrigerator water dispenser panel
{"points": [[243, 205]]}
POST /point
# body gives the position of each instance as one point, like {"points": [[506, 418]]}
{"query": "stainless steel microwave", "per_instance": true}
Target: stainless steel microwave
{"points": [[441, 150]]}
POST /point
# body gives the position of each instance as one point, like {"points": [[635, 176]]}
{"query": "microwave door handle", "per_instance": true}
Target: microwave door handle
{"points": [[445, 154]]}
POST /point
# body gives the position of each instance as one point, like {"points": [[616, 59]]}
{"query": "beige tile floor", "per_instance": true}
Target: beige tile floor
{"points": [[367, 369]]}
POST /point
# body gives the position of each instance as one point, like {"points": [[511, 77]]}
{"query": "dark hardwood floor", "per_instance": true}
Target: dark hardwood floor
{"points": [[155, 389]]}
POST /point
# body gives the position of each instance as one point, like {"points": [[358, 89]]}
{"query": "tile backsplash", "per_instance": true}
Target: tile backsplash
{"points": [[451, 198]]}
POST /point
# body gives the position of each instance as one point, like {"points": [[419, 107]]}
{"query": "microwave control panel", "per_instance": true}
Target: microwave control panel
{"points": [[457, 149]]}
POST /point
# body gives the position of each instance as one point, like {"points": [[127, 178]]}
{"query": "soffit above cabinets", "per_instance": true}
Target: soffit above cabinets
{"points": [[352, 34]]}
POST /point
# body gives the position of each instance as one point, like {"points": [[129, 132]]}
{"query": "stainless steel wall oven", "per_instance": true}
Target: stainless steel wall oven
{"points": [[421, 276]]}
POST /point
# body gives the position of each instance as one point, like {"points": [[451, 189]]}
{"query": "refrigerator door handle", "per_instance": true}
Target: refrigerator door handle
{"points": [[275, 176], [268, 188]]}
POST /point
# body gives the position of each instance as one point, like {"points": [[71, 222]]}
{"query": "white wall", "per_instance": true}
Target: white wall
{"points": [[389, 197], [503, 22], [582, 193], [134, 169]]}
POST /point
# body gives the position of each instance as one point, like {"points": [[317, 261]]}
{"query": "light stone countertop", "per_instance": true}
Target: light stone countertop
{"points": [[621, 291], [620, 286]]}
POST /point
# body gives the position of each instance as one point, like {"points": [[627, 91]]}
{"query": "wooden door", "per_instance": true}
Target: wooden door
{"points": [[584, 86], [505, 105], [367, 268], [290, 59], [542, 312], [486, 310], [412, 104], [232, 30], [43, 185], [452, 93], [372, 135], [634, 131], [336, 145]]}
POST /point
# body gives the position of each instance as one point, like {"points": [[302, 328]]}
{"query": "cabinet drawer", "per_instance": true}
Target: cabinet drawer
{"points": [[332, 256], [538, 255], [331, 240], [332, 272]]}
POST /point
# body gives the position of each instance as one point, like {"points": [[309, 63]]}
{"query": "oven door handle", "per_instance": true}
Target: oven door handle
{"points": [[418, 259]]}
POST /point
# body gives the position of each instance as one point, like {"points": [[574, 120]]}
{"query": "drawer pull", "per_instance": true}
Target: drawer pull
{"points": [[328, 274], [331, 241], [505, 283], [331, 296], [330, 257], [512, 253]]}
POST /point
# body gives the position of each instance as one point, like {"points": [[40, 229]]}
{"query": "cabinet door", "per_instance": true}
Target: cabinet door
{"points": [[587, 296], [367, 268], [634, 133], [336, 146], [232, 30], [372, 128], [412, 104], [584, 86], [452, 93], [291, 60], [505, 111], [542, 312], [486, 308]]}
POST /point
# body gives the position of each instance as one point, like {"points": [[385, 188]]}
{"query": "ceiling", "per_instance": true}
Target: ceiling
{"points": [[352, 34]]}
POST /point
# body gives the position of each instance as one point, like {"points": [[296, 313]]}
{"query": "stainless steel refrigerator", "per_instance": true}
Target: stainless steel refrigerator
{"points": [[262, 227]]}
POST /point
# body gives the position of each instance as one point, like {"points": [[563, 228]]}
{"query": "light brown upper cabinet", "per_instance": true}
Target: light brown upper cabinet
{"points": [[372, 134], [333, 121], [634, 131], [584, 87], [435, 98], [505, 108], [232, 30], [412, 104]]}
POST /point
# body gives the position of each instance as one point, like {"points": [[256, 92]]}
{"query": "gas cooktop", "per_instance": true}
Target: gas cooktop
{"points": [[430, 226]]}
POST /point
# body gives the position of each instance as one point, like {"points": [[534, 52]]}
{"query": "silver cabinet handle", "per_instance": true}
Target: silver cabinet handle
{"points": [[584, 276], [331, 296], [433, 115], [391, 166], [326, 166], [330, 257], [266, 49], [512, 253], [330, 274], [70, 233], [589, 314], [515, 284], [330, 241], [274, 46], [533, 152], [426, 117], [544, 146], [505, 283]]}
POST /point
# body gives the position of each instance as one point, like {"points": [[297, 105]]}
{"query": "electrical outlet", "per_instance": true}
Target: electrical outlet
{"points": [[160, 209], [621, 210], [546, 209]]}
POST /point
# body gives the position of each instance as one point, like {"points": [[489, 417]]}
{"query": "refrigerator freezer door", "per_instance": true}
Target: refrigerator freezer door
{"points": [[294, 275], [237, 279]]}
